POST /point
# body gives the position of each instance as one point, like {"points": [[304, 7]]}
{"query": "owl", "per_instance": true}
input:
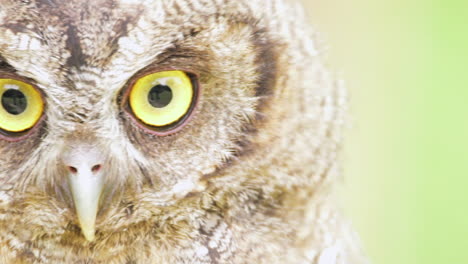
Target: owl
{"points": [[168, 131]]}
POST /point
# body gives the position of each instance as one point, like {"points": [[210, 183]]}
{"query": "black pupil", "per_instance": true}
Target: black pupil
{"points": [[160, 96], [14, 102]]}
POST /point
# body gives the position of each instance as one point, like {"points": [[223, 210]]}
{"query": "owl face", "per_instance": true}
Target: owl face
{"points": [[126, 121], [91, 146]]}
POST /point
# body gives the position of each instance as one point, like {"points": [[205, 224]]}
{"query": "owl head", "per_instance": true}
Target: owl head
{"points": [[127, 120]]}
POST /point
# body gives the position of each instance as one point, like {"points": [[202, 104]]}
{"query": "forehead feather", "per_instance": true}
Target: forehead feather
{"points": [[78, 33]]}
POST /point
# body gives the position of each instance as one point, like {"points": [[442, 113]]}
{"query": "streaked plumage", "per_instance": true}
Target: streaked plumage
{"points": [[247, 180]]}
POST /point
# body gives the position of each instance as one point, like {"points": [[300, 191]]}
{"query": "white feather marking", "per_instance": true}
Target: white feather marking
{"points": [[23, 42], [4, 198], [130, 45], [35, 44], [329, 256], [183, 187], [201, 251]]}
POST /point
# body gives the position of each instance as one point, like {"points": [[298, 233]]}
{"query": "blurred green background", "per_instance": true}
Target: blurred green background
{"points": [[405, 156]]}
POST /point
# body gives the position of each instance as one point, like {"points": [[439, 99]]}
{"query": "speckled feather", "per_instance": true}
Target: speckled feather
{"points": [[248, 180]]}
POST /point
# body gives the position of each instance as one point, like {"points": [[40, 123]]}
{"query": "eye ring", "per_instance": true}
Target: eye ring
{"points": [[170, 128], [13, 136]]}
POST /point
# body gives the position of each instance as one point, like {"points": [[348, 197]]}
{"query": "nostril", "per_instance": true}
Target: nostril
{"points": [[96, 168], [72, 169]]}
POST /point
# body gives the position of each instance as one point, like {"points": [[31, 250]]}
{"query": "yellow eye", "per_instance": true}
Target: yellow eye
{"points": [[162, 99], [21, 105]]}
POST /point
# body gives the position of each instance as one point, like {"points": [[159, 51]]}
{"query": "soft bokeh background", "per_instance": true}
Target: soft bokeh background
{"points": [[406, 163]]}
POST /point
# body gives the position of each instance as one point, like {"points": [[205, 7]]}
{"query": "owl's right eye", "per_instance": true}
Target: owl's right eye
{"points": [[21, 106]]}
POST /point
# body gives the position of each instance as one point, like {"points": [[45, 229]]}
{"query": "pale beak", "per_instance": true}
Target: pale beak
{"points": [[86, 180]]}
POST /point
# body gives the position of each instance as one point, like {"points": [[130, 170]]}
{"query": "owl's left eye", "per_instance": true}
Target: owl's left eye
{"points": [[21, 106], [162, 101]]}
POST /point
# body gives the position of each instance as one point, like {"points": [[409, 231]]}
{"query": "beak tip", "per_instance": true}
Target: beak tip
{"points": [[89, 235], [88, 229]]}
